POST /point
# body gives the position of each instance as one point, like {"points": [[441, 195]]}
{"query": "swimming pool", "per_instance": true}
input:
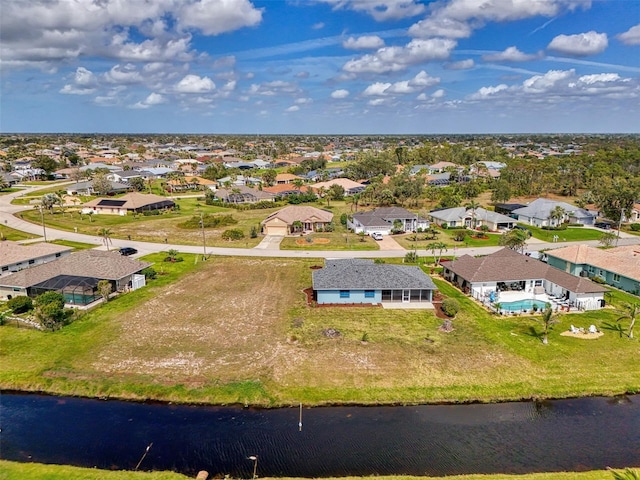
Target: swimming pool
{"points": [[521, 305]]}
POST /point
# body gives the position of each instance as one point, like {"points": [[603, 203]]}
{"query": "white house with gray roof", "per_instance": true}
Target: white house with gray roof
{"points": [[382, 220], [465, 217], [15, 257], [361, 281], [538, 213]]}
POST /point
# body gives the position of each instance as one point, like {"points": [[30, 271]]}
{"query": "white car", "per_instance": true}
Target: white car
{"points": [[376, 236]]}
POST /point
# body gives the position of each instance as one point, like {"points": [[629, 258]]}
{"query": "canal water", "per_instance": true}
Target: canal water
{"points": [[580, 434]]}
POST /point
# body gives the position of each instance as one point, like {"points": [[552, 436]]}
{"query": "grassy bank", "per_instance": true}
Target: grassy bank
{"points": [[238, 330], [38, 471]]}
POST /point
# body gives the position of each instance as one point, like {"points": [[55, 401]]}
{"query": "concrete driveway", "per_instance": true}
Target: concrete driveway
{"points": [[389, 243], [270, 242]]}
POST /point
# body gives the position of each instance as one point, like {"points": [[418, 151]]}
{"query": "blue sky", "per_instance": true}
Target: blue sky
{"points": [[320, 66]]}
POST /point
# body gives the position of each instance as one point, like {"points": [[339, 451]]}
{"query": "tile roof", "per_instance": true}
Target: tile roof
{"points": [[12, 252], [302, 214], [345, 274], [509, 266], [86, 263], [623, 261]]}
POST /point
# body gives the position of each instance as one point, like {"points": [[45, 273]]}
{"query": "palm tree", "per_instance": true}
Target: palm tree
{"points": [[627, 474], [473, 206], [629, 312], [105, 233], [557, 215], [548, 319], [514, 239], [440, 246]]}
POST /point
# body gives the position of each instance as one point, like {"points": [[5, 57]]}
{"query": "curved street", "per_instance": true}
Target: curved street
{"points": [[8, 217]]}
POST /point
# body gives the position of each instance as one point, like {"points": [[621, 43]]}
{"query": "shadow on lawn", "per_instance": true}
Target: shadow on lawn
{"points": [[614, 327]]}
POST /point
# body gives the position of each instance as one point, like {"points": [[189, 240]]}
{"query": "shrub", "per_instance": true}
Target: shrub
{"points": [[411, 257], [460, 235], [232, 234], [149, 273], [20, 304], [450, 307], [254, 232], [635, 227], [329, 227], [484, 228], [343, 219]]}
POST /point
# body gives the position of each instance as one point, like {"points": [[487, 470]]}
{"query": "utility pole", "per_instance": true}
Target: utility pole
{"points": [[44, 229], [204, 240]]}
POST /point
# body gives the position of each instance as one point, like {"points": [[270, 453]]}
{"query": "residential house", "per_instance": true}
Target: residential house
{"points": [[238, 180], [539, 213], [286, 189], [618, 267], [123, 176], [15, 257], [76, 276], [286, 178], [466, 217], [131, 202], [509, 270], [383, 220], [86, 188], [350, 187], [189, 182], [243, 194], [296, 219], [361, 281]]}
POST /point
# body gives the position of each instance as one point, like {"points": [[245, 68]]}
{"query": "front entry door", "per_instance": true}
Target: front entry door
{"points": [[406, 296]]}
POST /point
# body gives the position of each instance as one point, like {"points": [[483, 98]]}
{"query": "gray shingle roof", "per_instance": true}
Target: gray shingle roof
{"points": [[350, 274], [86, 263]]}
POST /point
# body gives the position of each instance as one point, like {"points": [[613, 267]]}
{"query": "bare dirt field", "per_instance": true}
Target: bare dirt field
{"points": [[239, 320]]}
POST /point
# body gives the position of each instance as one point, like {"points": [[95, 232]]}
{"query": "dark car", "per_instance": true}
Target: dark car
{"points": [[126, 251], [602, 225]]}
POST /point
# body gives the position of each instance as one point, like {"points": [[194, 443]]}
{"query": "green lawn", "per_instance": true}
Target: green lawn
{"points": [[262, 349], [7, 233], [39, 471], [74, 245], [570, 234], [420, 240]]}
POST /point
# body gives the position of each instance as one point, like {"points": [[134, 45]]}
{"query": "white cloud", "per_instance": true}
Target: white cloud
{"points": [[366, 42], [381, 10], [506, 10], [599, 78], [195, 84], [580, 45], [511, 54], [123, 74], [293, 108], [461, 65], [84, 83], [631, 36], [376, 102], [318, 26], [213, 17], [340, 94], [394, 59], [440, 93], [303, 101], [486, 92], [544, 83], [377, 88], [440, 27], [423, 79], [150, 101]]}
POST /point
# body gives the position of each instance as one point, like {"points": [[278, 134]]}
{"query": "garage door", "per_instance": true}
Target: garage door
{"points": [[276, 230]]}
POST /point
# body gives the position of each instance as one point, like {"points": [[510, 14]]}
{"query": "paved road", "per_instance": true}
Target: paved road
{"points": [[8, 217]]}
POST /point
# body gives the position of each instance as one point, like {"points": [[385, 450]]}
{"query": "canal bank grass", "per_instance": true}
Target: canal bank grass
{"points": [[39, 471], [239, 331]]}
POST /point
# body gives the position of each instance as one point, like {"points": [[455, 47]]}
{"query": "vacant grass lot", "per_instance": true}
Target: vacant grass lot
{"points": [[570, 234], [8, 233], [30, 471], [237, 330]]}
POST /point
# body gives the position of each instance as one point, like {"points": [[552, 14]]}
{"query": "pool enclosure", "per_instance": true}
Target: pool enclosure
{"points": [[76, 290]]}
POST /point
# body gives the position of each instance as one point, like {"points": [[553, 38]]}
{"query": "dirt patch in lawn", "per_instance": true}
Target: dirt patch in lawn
{"points": [[312, 241]]}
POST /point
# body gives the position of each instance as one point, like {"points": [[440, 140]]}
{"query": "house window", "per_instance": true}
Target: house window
{"points": [[58, 254], [4, 269], [369, 294], [16, 289], [616, 277], [591, 269], [344, 293], [600, 272]]}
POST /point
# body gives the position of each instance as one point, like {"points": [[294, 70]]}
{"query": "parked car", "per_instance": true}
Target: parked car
{"points": [[376, 236], [602, 225], [126, 251]]}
